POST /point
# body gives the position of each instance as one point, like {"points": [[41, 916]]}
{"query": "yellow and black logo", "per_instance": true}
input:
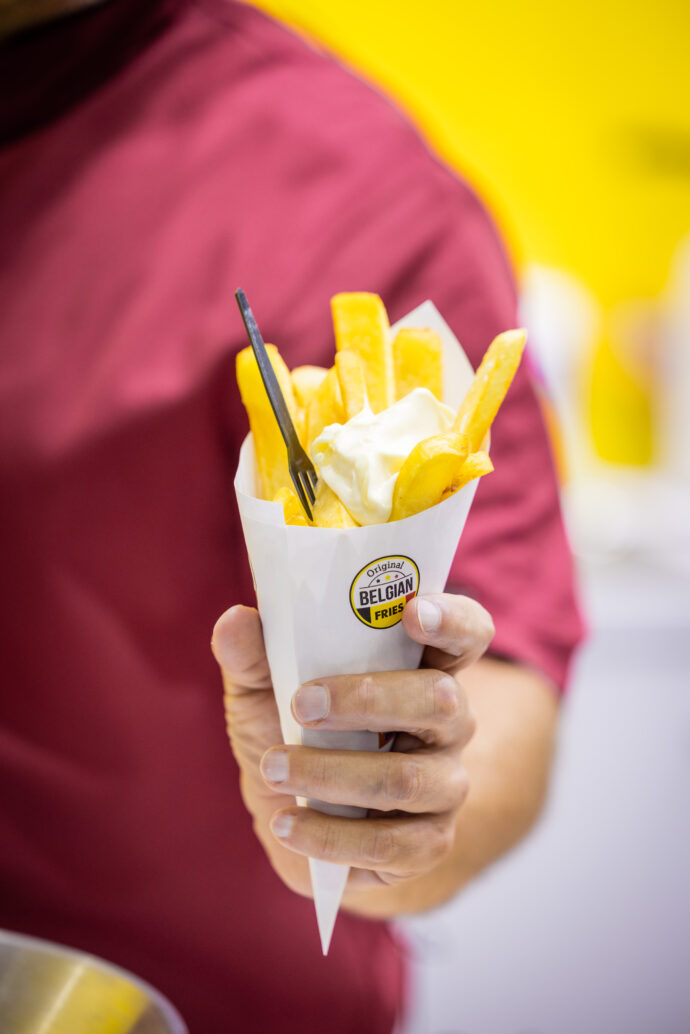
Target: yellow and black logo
{"points": [[379, 591]]}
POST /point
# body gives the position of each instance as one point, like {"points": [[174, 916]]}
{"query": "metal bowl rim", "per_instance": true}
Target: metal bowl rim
{"points": [[26, 941]]}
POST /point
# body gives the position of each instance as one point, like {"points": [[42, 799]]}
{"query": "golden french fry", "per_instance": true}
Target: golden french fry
{"points": [[490, 384], [430, 473], [368, 368], [305, 381], [417, 361], [292, 507], [300, 422], [325, 407], [269, 447], [476, 465], [328, 511], [361, 325], [350, 370]]}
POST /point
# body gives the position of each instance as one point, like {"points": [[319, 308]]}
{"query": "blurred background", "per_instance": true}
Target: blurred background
{"points": [[574, 127]]}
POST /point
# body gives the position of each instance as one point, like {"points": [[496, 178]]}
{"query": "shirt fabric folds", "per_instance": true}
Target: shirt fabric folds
{"points": [[159, 161]]}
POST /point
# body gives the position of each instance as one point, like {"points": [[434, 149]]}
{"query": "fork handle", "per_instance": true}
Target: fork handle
{"points": [[275, 395]]}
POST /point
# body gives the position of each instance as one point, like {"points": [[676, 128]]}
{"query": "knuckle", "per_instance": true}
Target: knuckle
{"points": [[365, 697], [445, 696], [320, 769], [382, 846], [487, 629], [447, 840], [403, 781], [443, 838], [464, 786], [459, 786], [329, 840]]}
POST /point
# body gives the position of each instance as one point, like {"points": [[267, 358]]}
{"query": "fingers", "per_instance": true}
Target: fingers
{"points": [[428, 703], [403, 847], [456, 629], [428, 781], [238, 646]]}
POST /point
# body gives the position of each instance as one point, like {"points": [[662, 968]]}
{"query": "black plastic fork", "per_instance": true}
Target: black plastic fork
{"points": [[300, 466]]}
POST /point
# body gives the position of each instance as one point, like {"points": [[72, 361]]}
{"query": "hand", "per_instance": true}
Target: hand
{"points": [[413, 793]]}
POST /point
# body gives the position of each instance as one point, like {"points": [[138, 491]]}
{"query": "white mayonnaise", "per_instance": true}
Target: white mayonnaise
{"points": [[361, 459]]}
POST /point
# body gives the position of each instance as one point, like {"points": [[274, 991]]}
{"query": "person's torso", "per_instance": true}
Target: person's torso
{"points": [[128, 224]]}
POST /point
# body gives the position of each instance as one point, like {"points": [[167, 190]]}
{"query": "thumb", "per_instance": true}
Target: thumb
{"points": [[253, 726], [251, 715], [238, 646]]}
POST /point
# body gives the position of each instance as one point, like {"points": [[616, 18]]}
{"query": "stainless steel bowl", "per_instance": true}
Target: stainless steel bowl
{"points": [[48, 989]]}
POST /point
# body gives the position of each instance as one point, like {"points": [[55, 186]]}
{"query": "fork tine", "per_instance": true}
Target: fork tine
{"points": [[305, 478], [307, 510], [297, 481]]}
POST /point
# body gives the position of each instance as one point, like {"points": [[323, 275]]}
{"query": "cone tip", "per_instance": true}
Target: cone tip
{"points": [[326, 906], [328, 883]]}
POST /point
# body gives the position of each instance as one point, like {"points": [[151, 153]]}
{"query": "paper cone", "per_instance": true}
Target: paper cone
{"points": [[328, 885], [331, 599]]}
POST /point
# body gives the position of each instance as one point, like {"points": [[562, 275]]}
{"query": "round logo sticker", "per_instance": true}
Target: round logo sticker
{"points": [[379, 591]]}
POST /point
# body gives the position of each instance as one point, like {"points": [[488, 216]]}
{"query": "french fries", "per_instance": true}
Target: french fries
{"points": [[429, 474], [292, 507], [372, 371], [329, 512], [361, 325], [491, 382], [475, 466], [417, 361], [271, 453], [325, 407], [353, 389], [305, 381]]}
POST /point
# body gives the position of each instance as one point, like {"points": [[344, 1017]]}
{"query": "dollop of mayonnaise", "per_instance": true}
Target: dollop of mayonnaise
{"points": [[361, 459]]}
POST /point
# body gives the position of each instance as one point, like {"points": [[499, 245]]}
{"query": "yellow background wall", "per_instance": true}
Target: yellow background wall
{"points": [[573, 122]]}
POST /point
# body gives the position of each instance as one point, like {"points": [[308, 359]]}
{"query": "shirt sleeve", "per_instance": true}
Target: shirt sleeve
{"points": [[514, 556]]}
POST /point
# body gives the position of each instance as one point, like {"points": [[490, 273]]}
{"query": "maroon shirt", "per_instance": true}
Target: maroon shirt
{"points": [[151, 164]]}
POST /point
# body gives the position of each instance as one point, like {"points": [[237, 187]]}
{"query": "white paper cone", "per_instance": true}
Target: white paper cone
{"points": [[331, 599], [328, 885]]}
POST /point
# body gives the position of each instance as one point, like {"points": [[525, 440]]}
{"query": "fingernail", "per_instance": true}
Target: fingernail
{"points": [[429, 616], [311, 703], [281, 825], [274, 766]]}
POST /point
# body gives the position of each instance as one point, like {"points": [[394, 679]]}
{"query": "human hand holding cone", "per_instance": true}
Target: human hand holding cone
{"points": [[331, 594]]}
